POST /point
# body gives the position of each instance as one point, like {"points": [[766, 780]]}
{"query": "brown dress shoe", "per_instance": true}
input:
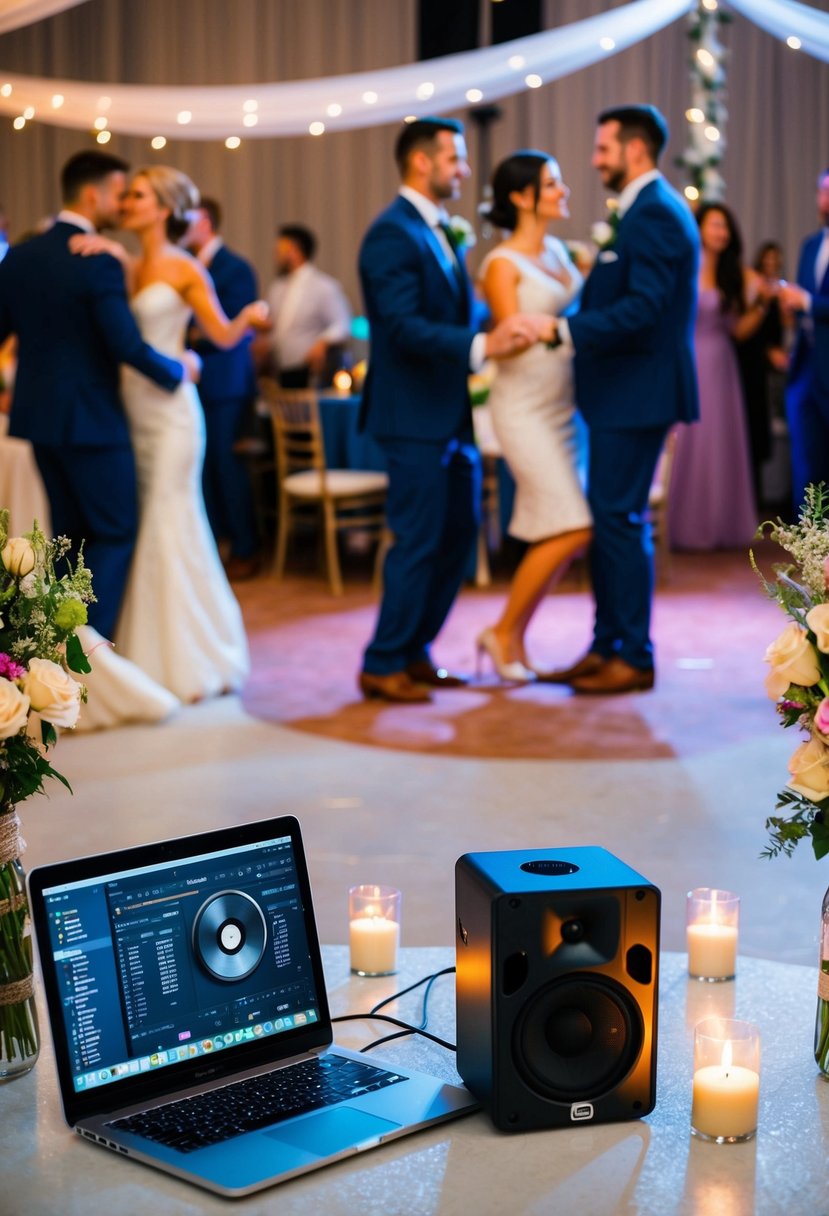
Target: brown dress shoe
{"points": [[423, 672], [396, 686], [615, 675], [587, 665], [240, 568]]}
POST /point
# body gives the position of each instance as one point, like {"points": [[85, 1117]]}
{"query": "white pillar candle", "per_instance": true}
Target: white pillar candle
{"points": [[373, 941], [725, 1101], [712, 950]]}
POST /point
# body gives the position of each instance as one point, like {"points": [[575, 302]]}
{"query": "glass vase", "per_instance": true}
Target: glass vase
{"points": [[822, 1019], [19, 1032]]}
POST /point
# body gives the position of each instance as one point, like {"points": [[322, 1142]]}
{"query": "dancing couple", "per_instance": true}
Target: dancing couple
{"points": [[624, 345], [122, 467]]}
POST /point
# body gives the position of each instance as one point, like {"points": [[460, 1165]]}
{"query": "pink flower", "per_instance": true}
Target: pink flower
{"points": [[822, 717], [10, 669]]}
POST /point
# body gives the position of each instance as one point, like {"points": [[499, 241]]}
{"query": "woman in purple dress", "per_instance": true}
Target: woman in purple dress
{"points": [[712, 497]]}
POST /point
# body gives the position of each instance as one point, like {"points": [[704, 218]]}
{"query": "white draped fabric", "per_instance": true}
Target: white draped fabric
{"points": [[16, 13], [363, 99], [786, 19]]}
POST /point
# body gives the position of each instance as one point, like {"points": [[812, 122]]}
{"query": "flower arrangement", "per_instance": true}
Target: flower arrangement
{"points": [[39, 649], [798, 681]]}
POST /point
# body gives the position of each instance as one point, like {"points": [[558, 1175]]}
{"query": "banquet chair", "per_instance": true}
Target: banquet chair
{"points": [[341, 499], [658, 500]]}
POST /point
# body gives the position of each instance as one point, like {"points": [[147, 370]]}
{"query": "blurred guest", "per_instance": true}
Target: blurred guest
{"points": [[227, 390], [712, 497], [4, 234], [311, 316], [531, 399], [807, 395], [761, 355]]}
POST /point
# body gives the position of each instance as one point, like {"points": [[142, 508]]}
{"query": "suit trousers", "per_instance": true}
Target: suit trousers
{"points": [[93, 499], [807, 413], [622, 465], [433, 510], [227, 491]]}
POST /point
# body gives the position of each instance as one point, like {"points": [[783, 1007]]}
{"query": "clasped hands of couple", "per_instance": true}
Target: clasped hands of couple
{"points": [[518, 332]]}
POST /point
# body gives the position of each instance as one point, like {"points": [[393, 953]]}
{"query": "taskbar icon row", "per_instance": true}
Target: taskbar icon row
{"points": [[189, 1050]]}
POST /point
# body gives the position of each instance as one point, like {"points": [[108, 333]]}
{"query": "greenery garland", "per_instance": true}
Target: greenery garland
{"points": [[707, 113]]}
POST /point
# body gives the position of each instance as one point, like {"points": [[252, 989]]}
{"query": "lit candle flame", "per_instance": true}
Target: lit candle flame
{"points": [[727, 1055]]}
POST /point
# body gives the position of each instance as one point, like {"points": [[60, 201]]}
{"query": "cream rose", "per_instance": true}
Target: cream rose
{"points": [[18, 556], [14, 709], [817, 619], [793, 661], [809, 769], [52, 692]]}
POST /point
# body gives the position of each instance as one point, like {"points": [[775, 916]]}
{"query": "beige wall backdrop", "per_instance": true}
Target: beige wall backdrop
{"points": [[777, 134]]}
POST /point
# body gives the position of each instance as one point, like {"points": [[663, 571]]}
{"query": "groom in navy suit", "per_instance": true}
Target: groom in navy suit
{"points": [[807, 393], [635, 377], [74, 327], [424, 343]]}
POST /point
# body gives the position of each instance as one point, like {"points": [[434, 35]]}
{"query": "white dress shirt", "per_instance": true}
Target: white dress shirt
{"points": [[67, 216], [306, 305]]}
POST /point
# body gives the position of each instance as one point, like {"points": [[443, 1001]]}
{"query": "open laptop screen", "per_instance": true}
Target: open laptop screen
{"points": [[163, 963]]}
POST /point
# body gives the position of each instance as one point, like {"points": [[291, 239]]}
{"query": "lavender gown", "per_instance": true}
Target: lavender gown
{"points": [[712, 499]]}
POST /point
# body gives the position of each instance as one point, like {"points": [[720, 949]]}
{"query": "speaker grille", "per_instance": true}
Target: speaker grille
{"points": [[578, 1037]]}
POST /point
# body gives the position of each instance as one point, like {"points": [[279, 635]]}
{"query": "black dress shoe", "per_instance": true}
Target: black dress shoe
{"points": [[615, 676], [423, 672], [396, 686], [587, 665]]}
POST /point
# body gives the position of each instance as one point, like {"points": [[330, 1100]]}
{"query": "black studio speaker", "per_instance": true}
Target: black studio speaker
{"points": [[557, 985]]}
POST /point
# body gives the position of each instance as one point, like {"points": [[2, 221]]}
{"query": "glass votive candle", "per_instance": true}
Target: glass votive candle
{"points": [[712, 921], [726, 1080], [373, 929]]}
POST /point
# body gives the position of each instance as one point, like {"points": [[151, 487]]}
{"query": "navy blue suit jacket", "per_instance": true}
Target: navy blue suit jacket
{"points": [[633, 334], [811, 352], [74, 327], [419, 314], [229, 374]]}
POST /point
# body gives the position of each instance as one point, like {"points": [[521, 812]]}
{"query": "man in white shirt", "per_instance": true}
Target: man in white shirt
{"points": [[311, 316]]}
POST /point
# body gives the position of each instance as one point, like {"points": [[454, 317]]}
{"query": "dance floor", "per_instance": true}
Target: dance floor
{"points": [[711, 625]]}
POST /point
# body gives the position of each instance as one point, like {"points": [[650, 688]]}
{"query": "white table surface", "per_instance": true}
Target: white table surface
{"points": [[466, 1167]]}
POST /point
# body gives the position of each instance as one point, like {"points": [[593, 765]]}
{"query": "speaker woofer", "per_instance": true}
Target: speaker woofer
{"points": [[578, 1038]]}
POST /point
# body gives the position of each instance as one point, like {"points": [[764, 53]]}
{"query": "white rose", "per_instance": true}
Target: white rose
{"points": [[793, 660], [14, 709], [18, 556], [52, 692], [817, 619], [601, 233]]}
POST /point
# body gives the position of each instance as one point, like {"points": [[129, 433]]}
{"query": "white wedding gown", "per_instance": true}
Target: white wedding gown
{"points": [[179, 622], [532, 408]]}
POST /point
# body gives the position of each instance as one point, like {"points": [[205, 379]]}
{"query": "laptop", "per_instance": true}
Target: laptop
{"points": [[188, 1010]]}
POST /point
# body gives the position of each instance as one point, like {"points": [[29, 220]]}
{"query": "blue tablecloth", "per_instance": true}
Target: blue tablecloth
{"points": [[345, 446]]}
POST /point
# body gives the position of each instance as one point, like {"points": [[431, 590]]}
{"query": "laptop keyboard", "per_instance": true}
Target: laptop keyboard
{"points": [[245, 1106]]}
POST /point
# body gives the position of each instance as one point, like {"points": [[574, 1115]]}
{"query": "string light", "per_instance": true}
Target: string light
{"points": [[103, 137], [695, 115], [158, 142], [712, 133], [316, 128], [29, 113], [232, 141], [705, 57], [100, 123], [250, 106], [57, 101], [104, 104], [474, 95], [533, 82], [369, 97], [334, 110], [516, 62], [711, 5], [793, 42], [5, 90], [250, 120], [19, 123], [691, 193], [607, 44], [424, 91], [183, 117]]}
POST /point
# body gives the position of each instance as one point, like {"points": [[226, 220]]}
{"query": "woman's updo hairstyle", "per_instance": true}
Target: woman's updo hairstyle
{"points": [[518, 171], [174, 190]]}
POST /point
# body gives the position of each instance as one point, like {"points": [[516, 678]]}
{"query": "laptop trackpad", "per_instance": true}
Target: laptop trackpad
{"points": [[331, 1131]]}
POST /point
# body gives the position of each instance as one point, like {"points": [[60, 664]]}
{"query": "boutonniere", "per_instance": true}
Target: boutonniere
{"points": [[603, 232], [461, 233]]}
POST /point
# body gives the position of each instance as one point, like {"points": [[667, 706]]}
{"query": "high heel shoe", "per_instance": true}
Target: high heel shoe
{"points": [[513, 672]]}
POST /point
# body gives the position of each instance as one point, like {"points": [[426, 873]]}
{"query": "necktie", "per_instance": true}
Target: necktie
{"points": [[822, 260]]}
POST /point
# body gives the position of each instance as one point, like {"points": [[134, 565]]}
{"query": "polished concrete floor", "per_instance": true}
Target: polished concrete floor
{"points": [[377, 814]]}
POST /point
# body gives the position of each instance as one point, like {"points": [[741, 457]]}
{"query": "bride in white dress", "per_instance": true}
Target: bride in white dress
{"points": [[180, 623], [531, 400]]}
